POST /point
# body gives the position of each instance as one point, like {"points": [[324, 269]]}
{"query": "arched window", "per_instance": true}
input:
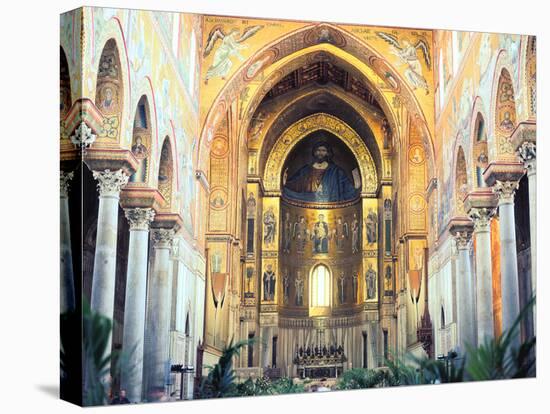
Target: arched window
{"points": [[320, 286]]}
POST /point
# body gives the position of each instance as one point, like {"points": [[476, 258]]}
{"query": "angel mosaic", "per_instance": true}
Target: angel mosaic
{"points": [[257, 124], [231, 44], [408, 53]]}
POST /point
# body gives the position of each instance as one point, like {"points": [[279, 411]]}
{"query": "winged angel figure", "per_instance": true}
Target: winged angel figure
{"points": [[231, 44], [407, 52]]}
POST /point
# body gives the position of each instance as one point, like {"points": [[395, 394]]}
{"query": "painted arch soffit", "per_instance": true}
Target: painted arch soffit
{"points": [[302, 128], [277, 71], [270, 132]]}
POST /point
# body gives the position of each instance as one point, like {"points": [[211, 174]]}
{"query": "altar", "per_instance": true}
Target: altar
{"points": [[320, 362]]}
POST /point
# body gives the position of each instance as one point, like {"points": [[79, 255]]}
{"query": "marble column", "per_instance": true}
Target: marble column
{"points": [[465, 288], [484, 292], [266, 346], [134, 308], [528, 154], [67, 294], [109, 184], [505, 191], [157, 331]]}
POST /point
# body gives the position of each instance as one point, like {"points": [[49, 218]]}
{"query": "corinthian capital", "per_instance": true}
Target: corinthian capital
{"points": [[162, 238], [505, 191], [481, 218], [139, 218], [109, 183], [64, 182], [462, 239]]}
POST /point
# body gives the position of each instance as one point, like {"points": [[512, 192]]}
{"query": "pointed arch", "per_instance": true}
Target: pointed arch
{"points": [[461, 181], [165, 177], [109, 96], [300, 40], [301, 129], [141, 141], [503, 114], [117, 127], [372, 134], [65, 97], [480, 157]]}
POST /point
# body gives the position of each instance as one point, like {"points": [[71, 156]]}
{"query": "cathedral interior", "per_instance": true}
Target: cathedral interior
{"points": [[340, 194]]}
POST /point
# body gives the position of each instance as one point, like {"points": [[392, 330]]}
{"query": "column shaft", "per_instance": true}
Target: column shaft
{"points": [[103, 283], [508, 255], [67, 293], [134, 311], [509, 265], [527, 152], [532, 179], [485, 322], [157, 342], [484, 271], [466, 294]]}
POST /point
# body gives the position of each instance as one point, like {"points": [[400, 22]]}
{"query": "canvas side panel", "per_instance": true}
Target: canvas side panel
{"points": [[71, 207]]}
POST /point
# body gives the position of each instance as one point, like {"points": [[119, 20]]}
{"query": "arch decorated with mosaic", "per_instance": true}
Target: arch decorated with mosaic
{"points": [[304, 127]]}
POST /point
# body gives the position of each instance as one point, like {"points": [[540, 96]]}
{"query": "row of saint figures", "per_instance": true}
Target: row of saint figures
{"points": [[345, 286], [320, 237]]}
